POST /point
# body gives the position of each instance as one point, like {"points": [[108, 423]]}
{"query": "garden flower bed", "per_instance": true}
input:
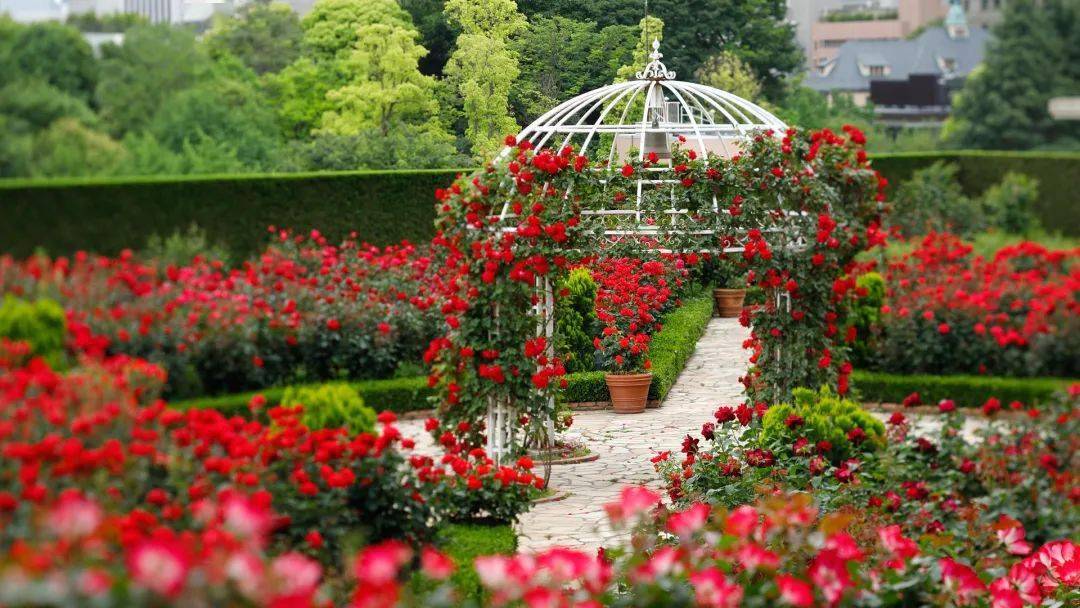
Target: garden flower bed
{"points": [[944, 310]]}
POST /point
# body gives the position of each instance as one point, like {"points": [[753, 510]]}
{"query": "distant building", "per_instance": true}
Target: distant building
{"points": [[30, 11], [869, 20], [156, 11], [908, 81]]}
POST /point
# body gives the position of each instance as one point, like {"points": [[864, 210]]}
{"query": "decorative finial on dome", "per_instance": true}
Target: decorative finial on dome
{"points": [[655, 69]]}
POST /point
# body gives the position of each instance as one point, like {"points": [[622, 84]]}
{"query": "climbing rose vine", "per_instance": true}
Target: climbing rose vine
{"points": [[797, 208]]}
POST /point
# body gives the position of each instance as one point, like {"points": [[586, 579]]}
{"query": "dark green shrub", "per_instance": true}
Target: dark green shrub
{"points": [[965, 391], [933, 201], [1010, 204], [42, 324], [331, 405], [866, 315], [824, 417], [576, 323]]}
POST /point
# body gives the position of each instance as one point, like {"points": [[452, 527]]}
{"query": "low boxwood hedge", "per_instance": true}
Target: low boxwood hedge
{"points": [[671, 348], [966, 391], [463, 543]]}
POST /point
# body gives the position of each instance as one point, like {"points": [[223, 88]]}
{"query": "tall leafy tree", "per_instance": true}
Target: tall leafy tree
{"points": [[650, 29], [1003, 104], [69, 148], [332, 26], [554, 59], [435, 33], [51, 52], [154, 63], [385, 87], [264, 35], [727, 72], [483, 68]]}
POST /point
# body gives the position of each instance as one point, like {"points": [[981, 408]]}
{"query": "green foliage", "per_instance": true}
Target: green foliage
{"points": [[67, 148], [405, 147], [399, 395], [223, 111], [383, 87], [333, 26], [727, 72], [933, 200], [182, 247], [555, 60], [51, 52], [331, 405], [649, 29], [154, 64], [1010, 204], [264, 35], [865, 315], [1056, 207], [1030, 59], [966, 391], [114, 214], [825, 417], [108, 22], [34, 104], [42, 324], [483, 68], [463, 543], [576, 323]]}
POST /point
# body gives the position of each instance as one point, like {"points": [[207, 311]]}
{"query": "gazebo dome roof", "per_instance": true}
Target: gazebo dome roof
{"points": [[647, 114]]}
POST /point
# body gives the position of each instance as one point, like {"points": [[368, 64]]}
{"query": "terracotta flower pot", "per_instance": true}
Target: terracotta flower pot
{"points": [[729, 302], [629, 392]]}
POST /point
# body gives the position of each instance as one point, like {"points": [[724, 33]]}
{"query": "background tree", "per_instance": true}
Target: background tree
{"points": [[483, 68], [554, 53], [756, 31], [332, 25], [264, 35], [384, 88], [1003, 104], [651, 28], [154, 63], [68, 148], [727, 72], [52, 52], [435, 33]]}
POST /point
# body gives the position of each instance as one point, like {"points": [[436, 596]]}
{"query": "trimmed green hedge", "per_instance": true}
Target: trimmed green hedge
{"points": [[463, 543], [1059, 202], [399, 395], [671, 349], [106, 215], [966, 391]]}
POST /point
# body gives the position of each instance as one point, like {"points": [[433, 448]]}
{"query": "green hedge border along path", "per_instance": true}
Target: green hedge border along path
{"points": [[965, 391], [106, 215], [1058, 207], [671, 349], [463, 543]]}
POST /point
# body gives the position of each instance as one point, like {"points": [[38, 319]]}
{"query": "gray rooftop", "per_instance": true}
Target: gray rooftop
{"points": [[926, 54]]}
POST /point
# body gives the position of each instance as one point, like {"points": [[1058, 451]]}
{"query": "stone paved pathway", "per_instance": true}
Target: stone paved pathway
{"points": [[625, 443]]}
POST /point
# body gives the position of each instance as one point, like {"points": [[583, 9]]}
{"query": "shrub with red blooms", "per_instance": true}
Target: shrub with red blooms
{"points": [[632, 294], [949, 311], [1012, 487], [97, 470], [304, 310], [778, 552]]}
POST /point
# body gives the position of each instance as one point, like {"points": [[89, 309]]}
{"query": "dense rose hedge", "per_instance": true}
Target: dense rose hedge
{"points": [[303, 311], [947, 310]]}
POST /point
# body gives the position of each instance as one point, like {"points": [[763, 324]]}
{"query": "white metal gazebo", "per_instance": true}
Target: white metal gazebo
{"points": [[645, 117]]}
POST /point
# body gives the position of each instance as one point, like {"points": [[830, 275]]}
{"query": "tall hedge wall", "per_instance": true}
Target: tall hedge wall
{"points": [[1058, 174], [107, 215]]}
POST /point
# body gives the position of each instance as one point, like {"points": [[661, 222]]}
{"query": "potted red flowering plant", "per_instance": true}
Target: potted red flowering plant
{"points": [[727, 275], [626, 349]]}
